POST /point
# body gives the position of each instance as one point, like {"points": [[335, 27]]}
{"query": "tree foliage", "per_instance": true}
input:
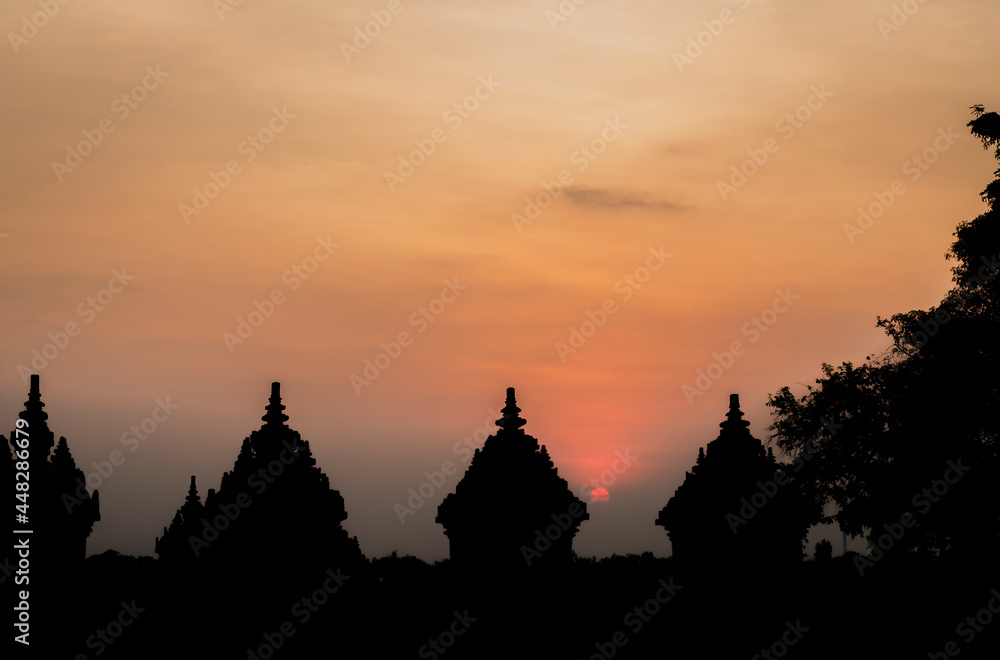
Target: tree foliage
{"points": [[878, 434]]}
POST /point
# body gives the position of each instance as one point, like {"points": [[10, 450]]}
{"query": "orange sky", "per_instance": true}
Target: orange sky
{"points": [[610, 78]]}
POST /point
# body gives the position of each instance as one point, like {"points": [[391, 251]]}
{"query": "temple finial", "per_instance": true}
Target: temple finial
{"points": [[511, 421], [192, 495], [34, 403], [192, 509], [274, 407], [734, 418]]}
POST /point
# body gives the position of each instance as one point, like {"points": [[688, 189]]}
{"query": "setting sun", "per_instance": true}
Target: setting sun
{"points": [[600, 495]]}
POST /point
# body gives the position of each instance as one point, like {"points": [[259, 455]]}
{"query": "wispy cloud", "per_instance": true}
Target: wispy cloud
{"points": [[610, 199]]}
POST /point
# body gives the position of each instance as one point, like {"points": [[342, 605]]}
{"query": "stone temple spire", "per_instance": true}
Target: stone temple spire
{"points": [[42, 439], [492, 527], [274, 408], [511, 420], [192, 508], [734, 418], [192, 496], [62, 511], [702, 520], [34, 403], [292, 507]]}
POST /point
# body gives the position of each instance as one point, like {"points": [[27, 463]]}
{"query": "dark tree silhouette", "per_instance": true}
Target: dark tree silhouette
{"points": [[924, 414]]}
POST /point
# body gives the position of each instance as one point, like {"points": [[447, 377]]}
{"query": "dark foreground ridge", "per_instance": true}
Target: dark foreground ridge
{"points": [[262, 568]]}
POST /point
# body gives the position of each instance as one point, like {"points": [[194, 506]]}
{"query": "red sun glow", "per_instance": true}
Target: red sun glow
{"points": [[599, 495]]}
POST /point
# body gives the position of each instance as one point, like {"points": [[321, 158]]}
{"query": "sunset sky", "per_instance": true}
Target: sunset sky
{"points": [[120, 120]]}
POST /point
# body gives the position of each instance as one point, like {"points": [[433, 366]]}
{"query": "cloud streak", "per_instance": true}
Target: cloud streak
{"points": [[610, 199]]}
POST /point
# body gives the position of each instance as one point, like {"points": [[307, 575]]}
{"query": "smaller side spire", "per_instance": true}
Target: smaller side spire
{"points": [[511, 420], [546, 458], [62, 458], [192, 509], [192, 496], [304, 454]]}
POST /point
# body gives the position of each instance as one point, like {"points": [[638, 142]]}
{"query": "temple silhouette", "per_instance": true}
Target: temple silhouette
{"points": [[269, 537], [263, 568], [60, 513], [275, 497], [511, 510], [731, 511]]}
